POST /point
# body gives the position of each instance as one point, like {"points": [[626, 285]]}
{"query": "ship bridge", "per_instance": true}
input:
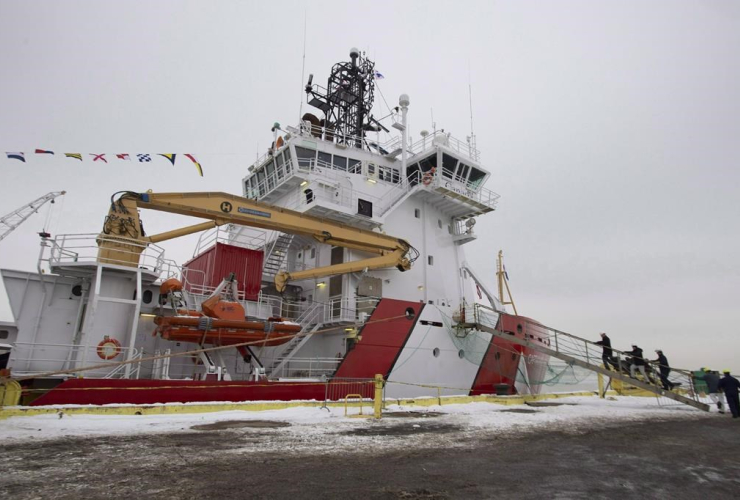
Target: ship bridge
{"points": [[360, 182]]}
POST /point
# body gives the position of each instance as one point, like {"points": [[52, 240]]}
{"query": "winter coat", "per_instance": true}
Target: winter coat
{"points": [[730, 385]]}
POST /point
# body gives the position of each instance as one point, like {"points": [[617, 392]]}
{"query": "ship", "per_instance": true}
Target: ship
{"points": [[343, 259]]}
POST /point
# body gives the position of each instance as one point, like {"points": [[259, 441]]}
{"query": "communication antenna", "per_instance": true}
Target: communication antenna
{"points": [[470, 101], [303, 67]]}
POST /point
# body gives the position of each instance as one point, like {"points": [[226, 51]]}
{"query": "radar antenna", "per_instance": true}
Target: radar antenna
{"points": [[347, 100]]}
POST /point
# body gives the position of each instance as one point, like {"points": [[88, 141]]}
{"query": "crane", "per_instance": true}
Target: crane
{"points": [[17, 217], [123, 238]]}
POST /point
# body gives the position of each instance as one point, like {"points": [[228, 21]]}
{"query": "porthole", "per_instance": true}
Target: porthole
{"points": [[147, 297], [497, 356], [410, 313], [519, 328], [77, 290], [461, 354], [435, 352]]}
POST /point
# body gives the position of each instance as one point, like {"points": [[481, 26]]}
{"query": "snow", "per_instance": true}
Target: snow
{"points": [[317, 430]]}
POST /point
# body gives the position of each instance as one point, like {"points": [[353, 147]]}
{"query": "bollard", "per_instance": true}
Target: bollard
{"points": [[378, 402]]}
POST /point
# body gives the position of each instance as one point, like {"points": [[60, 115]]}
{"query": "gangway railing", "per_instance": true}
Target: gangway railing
{"points": [[583, 353]]}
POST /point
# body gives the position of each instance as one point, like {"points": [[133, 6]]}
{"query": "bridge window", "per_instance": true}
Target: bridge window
{"points": [[462, 172], [417, 213], [388, 174], [340, 162], [428, 163], [355, 166], [270, 174], [4, 334], [448, 165], [280, 166], [286, 156], [306, 157], [324, 159], [476, 177]]}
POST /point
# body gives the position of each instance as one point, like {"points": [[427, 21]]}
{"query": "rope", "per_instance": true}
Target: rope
{"points": [[186, 353]]}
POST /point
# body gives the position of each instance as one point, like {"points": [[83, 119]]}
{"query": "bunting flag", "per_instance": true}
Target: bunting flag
{"points": [[170, 157], [17, 156], [477, 289], [506, 275], [101, 157], [197, 165], [378, 75]]}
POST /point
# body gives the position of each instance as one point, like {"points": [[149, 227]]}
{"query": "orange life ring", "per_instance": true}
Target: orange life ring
{"points": [[108, 348], [426, 179]]}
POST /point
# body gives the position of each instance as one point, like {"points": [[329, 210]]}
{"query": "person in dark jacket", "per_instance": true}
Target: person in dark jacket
{"points": [[731, 386], [712, 380], [606, 354], [664, 369], [637, 363]]}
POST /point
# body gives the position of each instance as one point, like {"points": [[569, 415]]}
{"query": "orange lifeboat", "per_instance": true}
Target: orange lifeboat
{"points": [[222, 322]]}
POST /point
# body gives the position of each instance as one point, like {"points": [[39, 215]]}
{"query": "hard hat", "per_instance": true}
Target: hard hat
{"points": [[726, 371], [658, 350], [705, 369]]}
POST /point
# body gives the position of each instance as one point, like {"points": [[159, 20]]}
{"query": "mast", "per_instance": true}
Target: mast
{"points": [[503, 282]]}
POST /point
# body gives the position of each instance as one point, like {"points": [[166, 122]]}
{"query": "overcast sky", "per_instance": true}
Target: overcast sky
{"points": [[611, 129]]}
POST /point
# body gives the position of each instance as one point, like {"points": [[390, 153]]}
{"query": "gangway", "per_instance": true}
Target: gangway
{"points": [[577, 351]]}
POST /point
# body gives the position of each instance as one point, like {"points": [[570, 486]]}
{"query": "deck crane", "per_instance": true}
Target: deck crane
{"points": [[123, 240], [11, 221]]}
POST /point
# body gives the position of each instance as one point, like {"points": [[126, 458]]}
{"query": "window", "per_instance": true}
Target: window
{"points": [[371, 169], [449, 228], [461, 354], [306, 158], [77, 290], [355, 166], [313, 252], [430, 260], [412, 174], [428, 164], [417, 213], [435, 352], [286, 156], [448, 165], [324, 159], [439, 223], [388, 174], [462, 172], [147, 296], [280, 166], [4, 334], [270, 175], [476, 178], [340, 162]]}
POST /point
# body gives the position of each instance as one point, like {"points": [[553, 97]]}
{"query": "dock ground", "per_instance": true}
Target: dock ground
{"points": [[579, 448]]}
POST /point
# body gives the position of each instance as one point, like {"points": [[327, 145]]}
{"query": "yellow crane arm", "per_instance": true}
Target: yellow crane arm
{"points": [[124, 240]]}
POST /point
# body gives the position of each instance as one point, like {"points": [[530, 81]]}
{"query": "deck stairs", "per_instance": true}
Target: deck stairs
{"points": [[583, 353], [311, 322], [277, 255]]}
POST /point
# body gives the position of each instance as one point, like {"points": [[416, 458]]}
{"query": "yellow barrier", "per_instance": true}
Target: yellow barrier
{"points": [[10, 393]]}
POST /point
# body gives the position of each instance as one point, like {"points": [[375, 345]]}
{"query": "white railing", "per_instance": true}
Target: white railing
{"points": [[83, 249], [295, 367], [445, 179], [27, 358], [231, 234]]}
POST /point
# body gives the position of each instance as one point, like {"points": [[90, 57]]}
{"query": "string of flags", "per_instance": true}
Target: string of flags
{"points": [[101, 157]]}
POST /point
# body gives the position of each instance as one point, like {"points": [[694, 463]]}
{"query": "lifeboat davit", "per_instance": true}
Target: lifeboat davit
{"points": [[222, 322]]}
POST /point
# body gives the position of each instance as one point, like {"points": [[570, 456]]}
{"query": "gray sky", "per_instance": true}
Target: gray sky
{"points": [[611, 129]]}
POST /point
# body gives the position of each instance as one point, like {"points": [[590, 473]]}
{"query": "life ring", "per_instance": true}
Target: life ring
{"points": [[108, 348], [427, 179]]}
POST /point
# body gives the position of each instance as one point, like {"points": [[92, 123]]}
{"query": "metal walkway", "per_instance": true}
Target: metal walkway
{"points": [[581, 352]]}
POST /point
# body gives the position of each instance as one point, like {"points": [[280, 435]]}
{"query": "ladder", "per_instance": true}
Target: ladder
{"points": [[9, 222], [277, 255], [576, 351]]}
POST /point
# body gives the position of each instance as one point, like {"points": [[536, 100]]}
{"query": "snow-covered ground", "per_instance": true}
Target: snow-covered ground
{"points": [[309, 429]]}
